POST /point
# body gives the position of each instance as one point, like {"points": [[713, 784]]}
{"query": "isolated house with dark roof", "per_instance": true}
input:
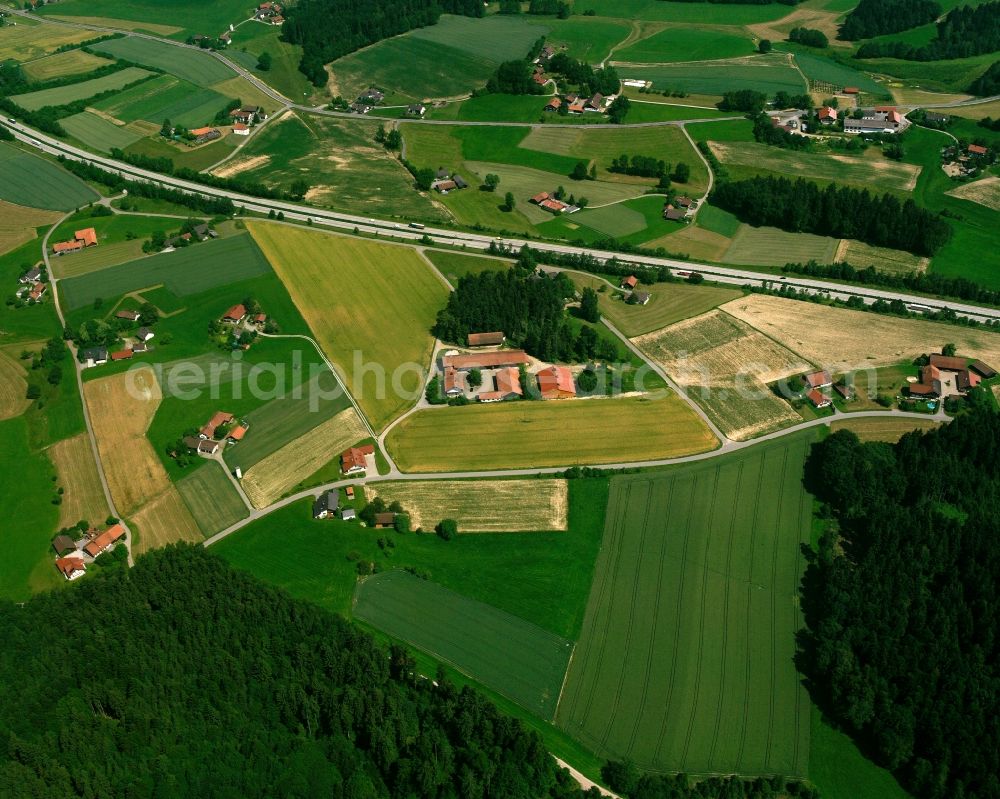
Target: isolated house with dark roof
{"points": [[63, 544], [326, 504]]}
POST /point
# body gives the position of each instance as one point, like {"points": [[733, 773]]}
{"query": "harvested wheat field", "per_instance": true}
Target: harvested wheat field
{"points": [[18, 223], [724, 364], [269, 479], [13, 387], [83, 496], [890, 429], [121, 407], [163, 520], [840, 339], [985, 192], [861, 255], [481, 506]]}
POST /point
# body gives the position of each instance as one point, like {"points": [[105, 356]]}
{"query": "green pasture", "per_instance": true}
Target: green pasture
{"points": [[685, 662], [496, 108], [724, 130], [656, 111], [30, 518], [588, 39], [97, 133], [634, 221], [716, 78], [455, 265], [704, 13], [193, 16], [61, 95], [194, 66], [35, 323], [953, 75], [284, 419], [30, 39], [28, 180], [284, 75], [212, 499], [198, 158], [509, 655], [769, 246], [496, 38], [826, 70], [59, 65], [542, 577], [686, 44], [183, 272], [345, 168], [718, 221]]}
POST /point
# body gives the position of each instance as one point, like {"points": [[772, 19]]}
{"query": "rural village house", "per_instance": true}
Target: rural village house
{"points": [[354, 460], [556, 382], [81, 239], [494, 339], [326, 504], [71, 568], [105, 540]]}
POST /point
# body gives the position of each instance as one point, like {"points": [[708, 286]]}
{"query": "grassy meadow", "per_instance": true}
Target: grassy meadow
{"points": [[770, 246], [193, 66], [29, 40], [377, 332], [528, 668], [685, 662], [61, 95], [59, 65], [185, 17], [537, 434], [212, 499], [687, 44], [717, 77], [98, 133], [32, 181]]}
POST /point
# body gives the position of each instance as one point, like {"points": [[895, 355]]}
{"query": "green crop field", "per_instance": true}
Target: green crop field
{"points": [[29, 516], [719, 77], [282, 420], [948, 76], [197, 158], [345, 168], [669, 303], [59, 65], [685, 662], [164, 97], [455, 265], [686, 44], [644, 110], [536, 434], [495, 38], [704, 13], [28, 39], [28, 180], [588, 39], [193, 66], [97, 133], [377, 333], [61, 95], [284, 74], [825, 70], [753, 158], [183, 272], [193, 16], [212, 499], [527, 668], [769, 246]]}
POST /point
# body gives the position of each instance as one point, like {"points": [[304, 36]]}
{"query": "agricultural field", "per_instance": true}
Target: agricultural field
{"points": [[724, 365], [194, 66], [59, 65], [387, 301], [687, 44], [695, 12], [12, 387], [61, 95], [344, 165], [182, 271], [753, 158], [29, 516], [18, 223], [31, 181], [98, 133], [771, 246], [455, 265], [985, 191], [164, 97], [284, 75], [121, 408], [84, 497], [538, 434], [841, 339], [718, 76], [862, 255], [686, 660], [825, 71], [163, 520], [587, 39], [185, 16], [212, 499], [694, 242], [528, 668], [890, 429], [282, 420], [668, 303], [271, 477], [481, 506], [27, 41], [450, 58]]}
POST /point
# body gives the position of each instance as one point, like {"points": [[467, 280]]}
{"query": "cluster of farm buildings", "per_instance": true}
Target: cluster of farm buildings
{"points": [[135, 344], [948, 376], [242, 121], [961, 163], [445, 182], [73, 556], [213, 436], [271, 13], [880, 119], [80, 241], [32, 286], [553, 204]]}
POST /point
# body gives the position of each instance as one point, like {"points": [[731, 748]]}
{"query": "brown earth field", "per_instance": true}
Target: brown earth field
{"points": [[83, 497]]}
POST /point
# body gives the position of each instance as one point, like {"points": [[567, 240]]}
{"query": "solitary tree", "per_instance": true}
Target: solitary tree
{"points": [[447, 529], [491, 181], [682, 172], [764, 46], [475, 378], [264, 61], [393, 140], [508, 201], [949, 350], [166, 130], [588, 306], [380, 133], [579, 171]]}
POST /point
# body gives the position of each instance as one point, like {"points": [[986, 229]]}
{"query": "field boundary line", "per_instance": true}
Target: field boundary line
{"points": [[565, 679], [774, 610], [725, 608]]}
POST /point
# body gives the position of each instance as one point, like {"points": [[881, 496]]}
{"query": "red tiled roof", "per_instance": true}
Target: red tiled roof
{"points": [[818, 379], [88, 236], [69, 565], [555, 102], [238, 432], [827, 113], [104, 540], [218, 419], [486, 360], [354, 458], [948, 362], [130, 315], [452, 382], [509, 381], [977, 149], [235, 313], [818, 398], [556, 381], [540, 198], [485, 339], [852, 90], [553, 205], [121, 355], [630, 282], [201, 131], [67, 246]]}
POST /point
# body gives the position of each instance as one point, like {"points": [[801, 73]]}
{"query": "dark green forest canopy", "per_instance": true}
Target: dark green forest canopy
{"points": [[965, 31], [877, 17], [184, 677], [903, 601]]}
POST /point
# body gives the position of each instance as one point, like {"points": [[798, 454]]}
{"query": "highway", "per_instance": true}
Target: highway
{"points": [[477, 241]]}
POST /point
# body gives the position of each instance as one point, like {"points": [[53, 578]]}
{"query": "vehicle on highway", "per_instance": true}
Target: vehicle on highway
{"points": [[416, 226]]}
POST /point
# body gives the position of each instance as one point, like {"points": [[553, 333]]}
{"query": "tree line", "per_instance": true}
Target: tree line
{"points": [[192, 678], [329, 29], [838, 211], [988, 83], [626, 780], [744, 2], [810, 37], [965, 31], [878, 17], [901, 600]]}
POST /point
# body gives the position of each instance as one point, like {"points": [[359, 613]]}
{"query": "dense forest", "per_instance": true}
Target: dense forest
{"points": [[184, 677], [527, 308], [838, 211], [902, 599], [878, 17], [328, 29], [988, 83], [624, 778], [744, 2], [965, 31]]}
